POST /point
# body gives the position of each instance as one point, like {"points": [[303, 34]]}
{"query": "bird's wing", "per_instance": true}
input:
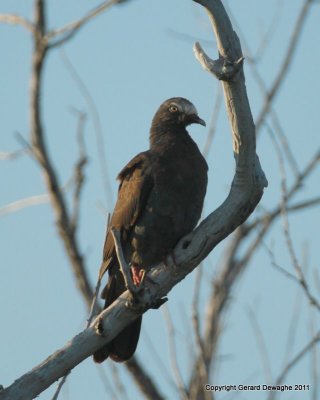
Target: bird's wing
{"points": [[136, 183]]}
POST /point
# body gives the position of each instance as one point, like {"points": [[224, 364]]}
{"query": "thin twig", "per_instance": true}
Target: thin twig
{"points": [[12, 155], [267, 36], [314, 362], [286, 228], [97, 126], [120, 388], [24, 203], [292, 47], [68, 31], [112, 394], [173, 355], [14, 19], [295, 187], [204, 374], [143, 380], [261, 345], [294, 361], [94, 310], [156, 357], [285, 143], [293, 327], [60, 385], [78, 171]]}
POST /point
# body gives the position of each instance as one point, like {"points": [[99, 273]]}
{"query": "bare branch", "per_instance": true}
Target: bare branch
{"points": [[203, 365], [106, 383], [61, 383], [76, 350], [97, 126], [266, 38], [68, 31], [261, 344], [12, 155], [296, 34], [295, 187], [314, 361], [78, 172], [294, 362], [223, 69], [173, 355], [286, 230], [300, 280], [40, 152], [24, 203], [13, 19], [158, 360], [120, 388], [293, 327], [143, 380], [304, 204]]}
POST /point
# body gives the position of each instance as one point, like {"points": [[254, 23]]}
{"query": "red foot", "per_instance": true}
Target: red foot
{"points": [[137, 275]]}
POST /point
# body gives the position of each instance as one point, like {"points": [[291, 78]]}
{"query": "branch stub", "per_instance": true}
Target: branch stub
{"points": [[223, 69]]}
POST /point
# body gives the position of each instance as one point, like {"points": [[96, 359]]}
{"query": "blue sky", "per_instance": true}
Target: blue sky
{"points": [[132, 58]]}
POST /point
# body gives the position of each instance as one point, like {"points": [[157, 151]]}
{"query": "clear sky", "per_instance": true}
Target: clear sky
{"points": [[130, 59]]}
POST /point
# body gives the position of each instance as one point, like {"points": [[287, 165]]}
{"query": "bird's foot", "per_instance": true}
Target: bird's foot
{"points": [[138, 275], [137, 286]]}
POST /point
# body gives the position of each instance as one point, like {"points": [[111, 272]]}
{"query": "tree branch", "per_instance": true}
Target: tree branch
{"points": [[296, 34], [68, 31], [143, 380], [24, 203], [14, 19], [39, 149], [294, 362]]}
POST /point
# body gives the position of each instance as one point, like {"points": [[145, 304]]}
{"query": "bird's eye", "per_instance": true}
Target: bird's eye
{"points": [[173, 108]]}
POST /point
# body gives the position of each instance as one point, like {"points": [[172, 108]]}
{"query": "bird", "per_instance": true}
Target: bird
{"points": [[160, 199]]}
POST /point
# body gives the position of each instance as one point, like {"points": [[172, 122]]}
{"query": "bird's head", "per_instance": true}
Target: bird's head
{"points": [[176, 113]]}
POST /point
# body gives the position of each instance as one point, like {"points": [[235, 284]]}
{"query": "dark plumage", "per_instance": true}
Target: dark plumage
{"points": [[160, 199]]}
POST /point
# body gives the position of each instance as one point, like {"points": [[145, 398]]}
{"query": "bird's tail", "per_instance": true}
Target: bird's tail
{"points": [[122, 347]]}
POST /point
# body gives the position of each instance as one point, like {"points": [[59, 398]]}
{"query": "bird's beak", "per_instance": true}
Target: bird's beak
{"points": [[195, 119]]}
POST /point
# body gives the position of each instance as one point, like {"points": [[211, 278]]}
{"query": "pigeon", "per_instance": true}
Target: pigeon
{"points": [[160, 199]]}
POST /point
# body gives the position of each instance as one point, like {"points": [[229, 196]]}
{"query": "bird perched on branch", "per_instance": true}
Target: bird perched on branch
{"points": [[160, 200]]}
